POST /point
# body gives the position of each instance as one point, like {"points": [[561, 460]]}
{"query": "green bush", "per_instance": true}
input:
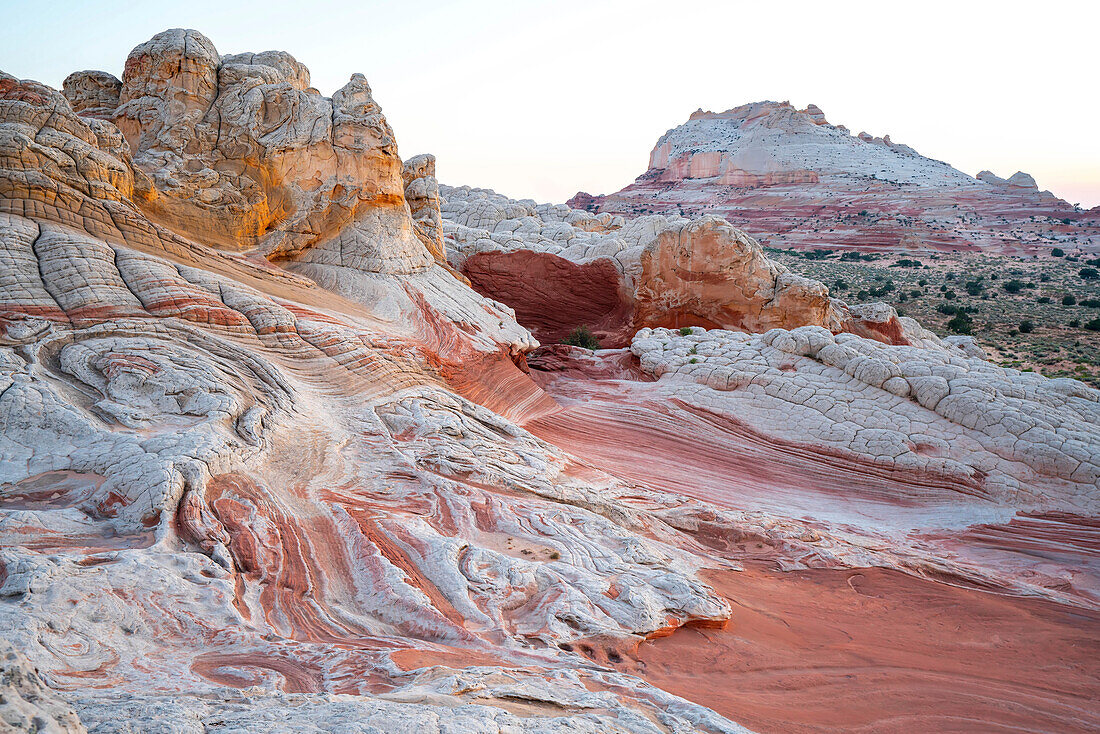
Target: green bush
{"points": [[1013, 286], [1069, 300], [1093, 325], [1089, 274], [1043, 299], [1058, 252], [961, 324], [685, 331], [582, 337], [1026, 327]]}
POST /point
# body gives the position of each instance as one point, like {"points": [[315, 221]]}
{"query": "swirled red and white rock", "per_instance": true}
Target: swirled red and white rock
{"points": [[267, 463]]}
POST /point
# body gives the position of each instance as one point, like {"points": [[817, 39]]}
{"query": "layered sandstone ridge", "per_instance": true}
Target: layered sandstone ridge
{"points": [[792, 179], [563, 268]]}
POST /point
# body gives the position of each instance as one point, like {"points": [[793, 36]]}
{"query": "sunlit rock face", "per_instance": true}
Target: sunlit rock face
{"points": [[268, 464], [563, 268], [792, 179]]}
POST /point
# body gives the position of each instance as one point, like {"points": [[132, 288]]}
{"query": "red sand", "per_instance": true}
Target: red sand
{"points": [[878, 651]]}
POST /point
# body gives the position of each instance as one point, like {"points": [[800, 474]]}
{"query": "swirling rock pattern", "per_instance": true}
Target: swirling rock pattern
{"points": [[268, 463]]}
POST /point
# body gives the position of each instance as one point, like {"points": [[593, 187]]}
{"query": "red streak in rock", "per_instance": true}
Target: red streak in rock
{"points": [[678, 448], [241, 670], [412, 659]]}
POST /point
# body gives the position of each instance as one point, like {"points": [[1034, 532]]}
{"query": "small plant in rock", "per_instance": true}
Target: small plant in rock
{"points": [[685, 331], [582, 337]]}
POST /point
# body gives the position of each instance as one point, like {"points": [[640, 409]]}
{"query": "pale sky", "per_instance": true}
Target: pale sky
{"points": [[542, 99]]}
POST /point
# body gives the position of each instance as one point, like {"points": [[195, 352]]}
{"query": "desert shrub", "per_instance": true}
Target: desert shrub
{"points": [[947, 309], [1013, 286], [1089, 273], [961, 324], [1043, 299], [1058, 252], [1026, 326], [582, 337], [1069, 300], [1093, 325], [974, 287]]}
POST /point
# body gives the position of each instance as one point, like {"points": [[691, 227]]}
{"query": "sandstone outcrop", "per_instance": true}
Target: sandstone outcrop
{"points": [[791, 179], [266, 464], [92, 93], [563, 268], [422, 193]]}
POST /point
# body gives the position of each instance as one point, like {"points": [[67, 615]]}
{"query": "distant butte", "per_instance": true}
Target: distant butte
{"points": [[791, 179]]}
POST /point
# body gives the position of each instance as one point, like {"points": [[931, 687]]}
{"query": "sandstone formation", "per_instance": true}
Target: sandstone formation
{"points": [[791, 179], [268, 464], [422, 193], [563, 268]]}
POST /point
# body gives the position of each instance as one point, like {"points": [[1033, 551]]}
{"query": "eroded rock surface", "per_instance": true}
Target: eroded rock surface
{"points": [[266, 463], [563, 268]]}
